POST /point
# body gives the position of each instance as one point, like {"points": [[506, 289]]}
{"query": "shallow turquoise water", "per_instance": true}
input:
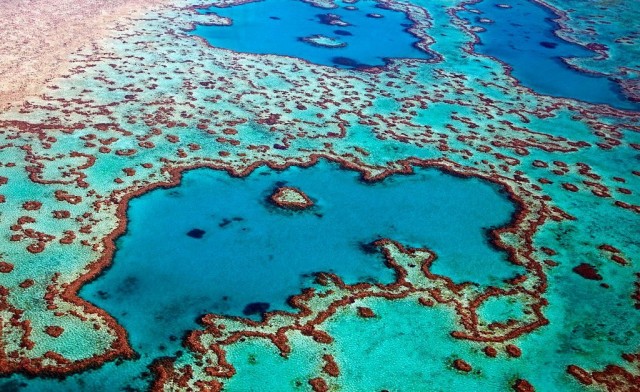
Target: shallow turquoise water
{"points": [[252, 251], [275, 26]]}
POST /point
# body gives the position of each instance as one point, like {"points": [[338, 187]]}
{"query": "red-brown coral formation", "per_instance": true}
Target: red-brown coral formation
{"points": [[365, 312], [522, 385], [612, 378], [462, 365], [580, 374], [54, 331], [587, 271], [330, 367], [490, 351], [5, 267], [513, 350], [318, 385]]}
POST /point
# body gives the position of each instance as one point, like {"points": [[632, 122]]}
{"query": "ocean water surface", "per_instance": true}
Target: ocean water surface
{"points": [[360, 34], [215, 244], [522, 35]]}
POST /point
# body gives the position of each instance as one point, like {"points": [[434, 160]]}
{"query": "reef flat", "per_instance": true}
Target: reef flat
{"points": [[146, 101], [38, 36]]}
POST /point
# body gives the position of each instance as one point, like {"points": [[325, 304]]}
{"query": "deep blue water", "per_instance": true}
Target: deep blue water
{"points": [[215, 244], [276, 26], [522, 36], [217, 241]]}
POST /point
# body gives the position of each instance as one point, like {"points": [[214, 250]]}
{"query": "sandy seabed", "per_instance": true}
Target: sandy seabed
{"points": [[37, 37]]}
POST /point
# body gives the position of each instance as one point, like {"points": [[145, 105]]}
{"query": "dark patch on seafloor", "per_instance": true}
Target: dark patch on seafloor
{"points": [[12, 386], [196, 233], [369, 247], [255, 308], [346, 61], [226, 221], [342, 32]]}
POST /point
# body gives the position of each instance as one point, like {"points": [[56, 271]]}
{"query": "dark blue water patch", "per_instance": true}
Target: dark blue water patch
{"points": [[196, 233], [252, 255], [345, 62], [255, 308], [548, 45], [341, 32], [12, 385], [523, 37], [276, 26]]}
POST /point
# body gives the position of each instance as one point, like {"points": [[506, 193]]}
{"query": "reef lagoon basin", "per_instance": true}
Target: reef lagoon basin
{"points": [[320, 195], [218, 244], [220, 237], [340, 37]]}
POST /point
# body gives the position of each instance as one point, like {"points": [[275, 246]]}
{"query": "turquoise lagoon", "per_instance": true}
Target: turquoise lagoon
{"points": [[162, 279], [276, 27], [523, 37]]}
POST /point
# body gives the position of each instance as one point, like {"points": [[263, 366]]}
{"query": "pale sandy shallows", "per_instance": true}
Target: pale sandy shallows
{"points": [[37, 37]]}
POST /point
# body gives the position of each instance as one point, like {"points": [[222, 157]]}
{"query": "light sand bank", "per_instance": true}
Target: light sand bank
{"points": [[37, 37]]}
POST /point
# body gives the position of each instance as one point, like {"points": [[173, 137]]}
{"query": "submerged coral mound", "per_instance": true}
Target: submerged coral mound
{"points": [[292, 198], [323, 41]]}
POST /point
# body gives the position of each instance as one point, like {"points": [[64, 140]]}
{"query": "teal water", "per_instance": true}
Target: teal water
{"points": [[276, 26], [523, 37], [214, 244], [162, 279]]}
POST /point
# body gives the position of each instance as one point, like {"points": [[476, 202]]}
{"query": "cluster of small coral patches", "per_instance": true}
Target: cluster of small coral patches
{"points": [[636, 292], [613, 378]]}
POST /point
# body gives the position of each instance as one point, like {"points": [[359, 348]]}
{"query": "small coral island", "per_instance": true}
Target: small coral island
{"points": [[290, 198], [323, 41]]}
